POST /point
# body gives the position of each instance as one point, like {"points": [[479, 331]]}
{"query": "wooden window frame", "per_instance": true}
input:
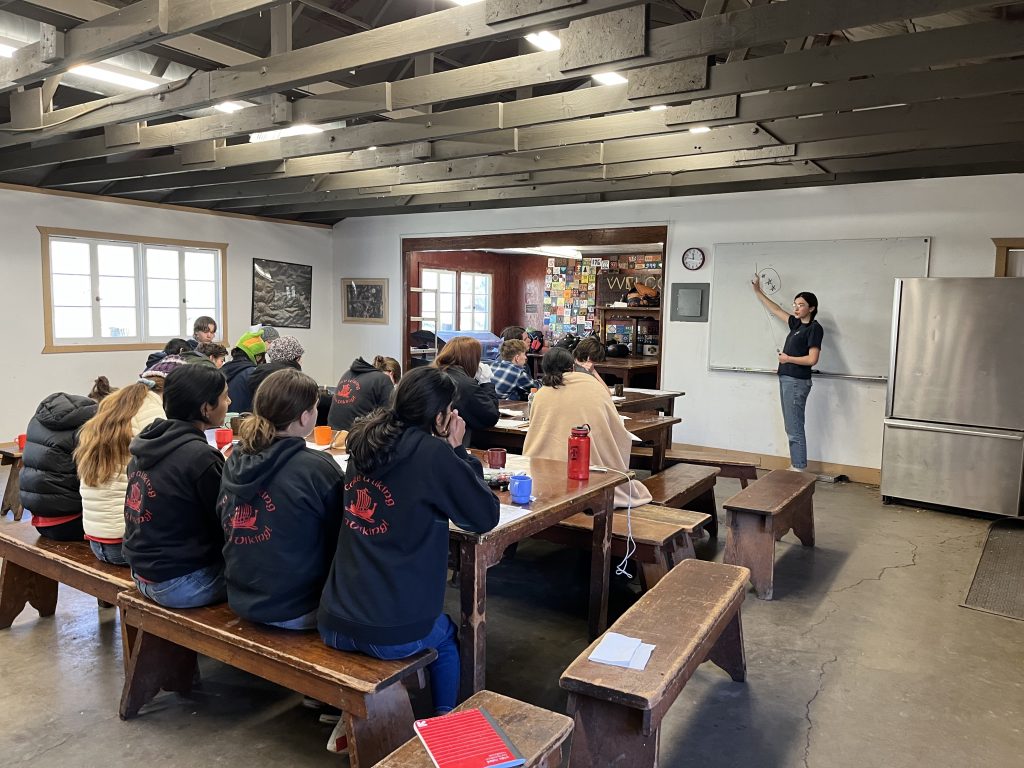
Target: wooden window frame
{"points": [[45, 233], [1003, 247]]}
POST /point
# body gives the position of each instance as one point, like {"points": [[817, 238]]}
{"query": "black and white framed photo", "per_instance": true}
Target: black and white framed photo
{"points": [[364, 299], [282, 294]]}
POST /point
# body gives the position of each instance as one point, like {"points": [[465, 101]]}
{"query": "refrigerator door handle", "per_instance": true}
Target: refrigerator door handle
{"points": [[952, 431]]}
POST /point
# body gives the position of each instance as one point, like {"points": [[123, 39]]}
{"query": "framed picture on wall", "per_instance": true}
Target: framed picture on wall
{"points": [[282, 294], [364, 299]]}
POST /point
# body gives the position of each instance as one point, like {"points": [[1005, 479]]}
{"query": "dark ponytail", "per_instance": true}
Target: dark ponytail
{"points": [[556, 362], [418, 399], [811, 299]]}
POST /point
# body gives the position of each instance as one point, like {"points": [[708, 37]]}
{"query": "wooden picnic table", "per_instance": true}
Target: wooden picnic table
{"points": [[626, 368], [10, 455], [648, 400]]}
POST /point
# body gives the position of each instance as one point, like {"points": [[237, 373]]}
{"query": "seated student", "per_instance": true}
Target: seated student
{"points": [[476, 403], [245, 355], [569, 399], [280, 506], [102, 457], [361, 389], [203, 331], [513, 332], [49, 480], [210, 352], [389, 366], [172, 347], [407, 476], [282, 353], [589, 351], [100, 389], [172, 535], [511, 379]]}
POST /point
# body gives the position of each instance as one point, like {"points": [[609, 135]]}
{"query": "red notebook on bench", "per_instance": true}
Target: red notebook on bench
{"points": [[467, 739]]}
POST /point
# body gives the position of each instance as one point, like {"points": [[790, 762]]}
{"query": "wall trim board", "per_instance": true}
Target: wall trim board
{"points": [[532, 239], [160, 206], [866, 475]]}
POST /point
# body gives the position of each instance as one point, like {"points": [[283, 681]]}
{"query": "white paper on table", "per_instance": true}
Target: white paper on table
{"points": [[650, 391], [634, 438], [615, 649], [642, 656], [510, 423], [315, 447], [618, 398], [510, 412], [623, 417], [508, 513], [342, 460]]}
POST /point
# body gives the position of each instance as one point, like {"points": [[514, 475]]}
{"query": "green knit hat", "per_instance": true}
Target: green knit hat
{"points": [[252, 344]]}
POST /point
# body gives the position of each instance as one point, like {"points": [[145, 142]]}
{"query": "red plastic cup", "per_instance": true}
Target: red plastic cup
{"points": [[223, 437], [21, 442]]}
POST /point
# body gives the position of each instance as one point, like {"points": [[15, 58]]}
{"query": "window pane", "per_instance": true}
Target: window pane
{"points": [[117, 292], [447, 281], [72, 291], [447, 302], [69, 258], [482, 284], [163, 293], [165, 322], [447, 322], [200, 265], [161, 262], [72, 322], [427, 325], [428, 278], [116, 322], [427, 303], [466, 305], [200, 292], [480, 322], [116, 259]]}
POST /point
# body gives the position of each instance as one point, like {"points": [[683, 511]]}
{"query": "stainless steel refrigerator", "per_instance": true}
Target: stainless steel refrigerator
{"points": [[954, 427]]}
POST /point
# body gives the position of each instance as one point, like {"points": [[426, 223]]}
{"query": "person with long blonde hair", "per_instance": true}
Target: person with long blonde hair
{"points": [[102, 457]]}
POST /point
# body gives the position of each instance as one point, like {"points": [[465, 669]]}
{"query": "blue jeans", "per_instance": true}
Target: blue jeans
{"points": [[203, 587], [444, 670], [108, 553], [794, 394], [303, 622]]}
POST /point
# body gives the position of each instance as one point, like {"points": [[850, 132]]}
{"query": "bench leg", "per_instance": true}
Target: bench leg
{"points": [[803, 523], [749, 543], [12, 495], [653, 572], [19, 586], [706, 503], [606, 734], [681, 549], [728, 652], [154, 664], [386, 727]]}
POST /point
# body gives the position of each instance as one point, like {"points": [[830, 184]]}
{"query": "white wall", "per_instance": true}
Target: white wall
{"points": [[723, 409], [27, 375]]}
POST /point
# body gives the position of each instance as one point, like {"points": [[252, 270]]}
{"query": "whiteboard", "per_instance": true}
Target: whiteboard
{"points": [[854, 283]]}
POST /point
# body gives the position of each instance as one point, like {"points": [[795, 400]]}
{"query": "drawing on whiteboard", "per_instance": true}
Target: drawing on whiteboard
{"points": [[771, 283]]}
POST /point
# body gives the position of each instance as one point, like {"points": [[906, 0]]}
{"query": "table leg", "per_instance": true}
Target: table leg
{"points": [[658, 451], [473, 635], [12, 495], [600, 561]]}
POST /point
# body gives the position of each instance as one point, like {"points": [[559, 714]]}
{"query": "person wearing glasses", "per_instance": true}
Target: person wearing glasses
{"points": [[796, 359]]}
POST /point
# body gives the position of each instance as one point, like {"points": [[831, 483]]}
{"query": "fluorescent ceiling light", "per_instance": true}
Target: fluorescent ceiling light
{"points": [[294, 130], [544, 40], [465, 2], [371, 148], [658, 107], [561, 251], [700, 129], [108, 74], [230, 106], [7, 50], [610, 78]]}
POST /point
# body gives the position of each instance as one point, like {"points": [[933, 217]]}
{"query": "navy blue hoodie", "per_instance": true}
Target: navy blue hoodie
{"points": [[170, 518], [281, 511], [361, 389], [388, 578]]}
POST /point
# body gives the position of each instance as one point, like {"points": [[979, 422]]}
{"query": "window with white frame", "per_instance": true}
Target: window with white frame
{"points": [[462, 301], [118, 291]]}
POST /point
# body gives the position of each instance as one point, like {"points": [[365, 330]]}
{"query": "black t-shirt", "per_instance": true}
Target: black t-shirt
{"points": [[802, 337]]}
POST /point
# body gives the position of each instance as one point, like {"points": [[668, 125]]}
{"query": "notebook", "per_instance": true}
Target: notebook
{"points": [[469, 738]]}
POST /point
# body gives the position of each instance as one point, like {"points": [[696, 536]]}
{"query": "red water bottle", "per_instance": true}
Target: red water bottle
{"points": [[579, 453]]}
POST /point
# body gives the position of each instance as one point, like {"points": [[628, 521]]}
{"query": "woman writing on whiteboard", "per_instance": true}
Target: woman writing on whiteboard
{"points": [[798, 355]]}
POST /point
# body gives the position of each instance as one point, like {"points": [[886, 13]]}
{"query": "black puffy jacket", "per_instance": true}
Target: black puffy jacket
{"points": [[49, 479]]}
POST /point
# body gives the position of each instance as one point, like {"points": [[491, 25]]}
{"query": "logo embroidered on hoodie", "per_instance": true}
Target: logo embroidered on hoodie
{"points": [[364, 496], [346, 392], [134, 501], [245, 517]]}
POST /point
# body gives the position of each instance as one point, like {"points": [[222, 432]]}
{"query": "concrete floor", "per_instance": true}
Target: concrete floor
{"points": [[863, 659]]}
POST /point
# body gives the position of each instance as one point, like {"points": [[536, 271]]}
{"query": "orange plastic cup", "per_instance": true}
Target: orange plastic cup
{"points": [[223, 437], [322, 435]]}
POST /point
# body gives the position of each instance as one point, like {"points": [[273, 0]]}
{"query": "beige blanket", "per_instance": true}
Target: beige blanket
{"points": [[582, 399]]}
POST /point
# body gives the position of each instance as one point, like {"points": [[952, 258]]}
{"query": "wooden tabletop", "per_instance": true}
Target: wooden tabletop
{"points": [[627, 363], [638, 422], [10, 450]]}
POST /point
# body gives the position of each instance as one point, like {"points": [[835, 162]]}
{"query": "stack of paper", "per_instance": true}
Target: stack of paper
{"points": [[621, 651], [511, 423]]}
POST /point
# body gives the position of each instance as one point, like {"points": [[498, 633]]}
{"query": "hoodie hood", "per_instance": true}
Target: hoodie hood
{"points": [[162, 438], [235, 366], [61, 412], [246, 474], [361, 366]]}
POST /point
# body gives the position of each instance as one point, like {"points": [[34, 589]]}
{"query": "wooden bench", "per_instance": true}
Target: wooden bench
{"points": [[34, 566], [163, 644], [541, 736], [687, 485], [663, 536], [691, 616], [744, 471], [760, 515], [11, 456]]}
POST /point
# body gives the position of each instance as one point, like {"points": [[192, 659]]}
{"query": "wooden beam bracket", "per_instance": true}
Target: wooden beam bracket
{"points": [[122, 134], [281, 109], [668, 79], [51, 44], [508, 10], [605, 39], [719, 108], [27, 108]]}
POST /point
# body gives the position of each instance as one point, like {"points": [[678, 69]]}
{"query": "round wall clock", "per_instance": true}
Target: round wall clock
{"points": [[693, 258]]}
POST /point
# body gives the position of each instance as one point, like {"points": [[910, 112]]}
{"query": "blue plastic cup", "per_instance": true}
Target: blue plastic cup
{"points": [[520, 488]]}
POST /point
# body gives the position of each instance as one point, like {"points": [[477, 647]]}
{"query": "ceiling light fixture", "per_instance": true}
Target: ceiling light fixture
{"points": [[108, 74], [371, 149], [658, 108], [700, 129], [230, 106], [546, 41], [465, 2], [7, 50], [294, 130], [561, 251], [610, 78]]}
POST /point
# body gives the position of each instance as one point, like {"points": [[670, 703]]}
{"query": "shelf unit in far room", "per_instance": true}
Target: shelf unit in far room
{"points": [[635, 315]]}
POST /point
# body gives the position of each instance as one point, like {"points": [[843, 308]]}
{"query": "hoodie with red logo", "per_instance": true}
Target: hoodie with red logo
{"points": [[170, 519], [388, 578], [361, 389], [281, 510]]}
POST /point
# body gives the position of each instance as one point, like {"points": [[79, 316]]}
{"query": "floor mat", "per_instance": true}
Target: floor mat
{"points": [[998, 585]]}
